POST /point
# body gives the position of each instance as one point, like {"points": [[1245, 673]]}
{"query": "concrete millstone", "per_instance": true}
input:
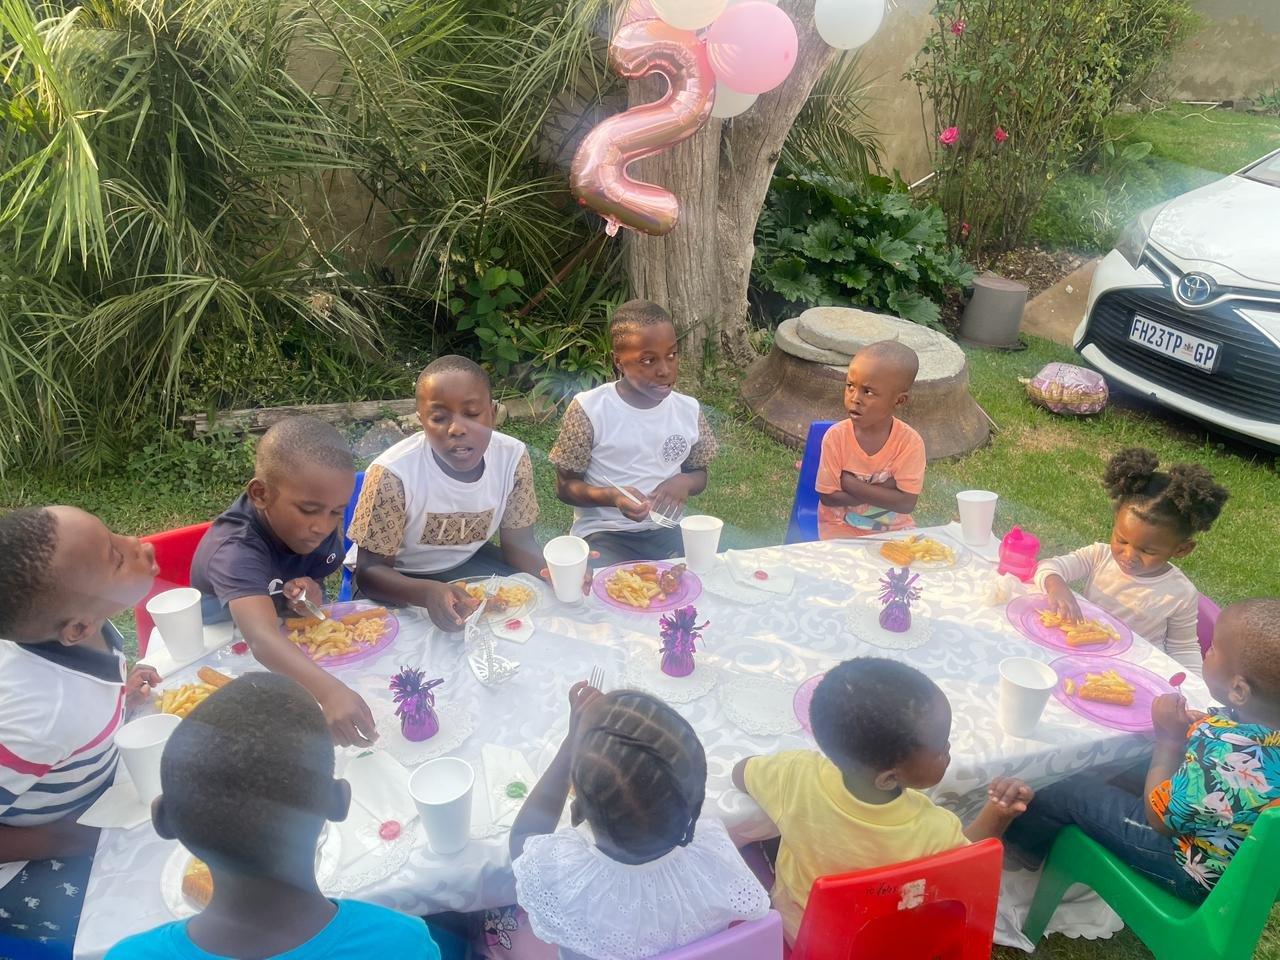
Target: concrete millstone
{"points": [[844, 331]]}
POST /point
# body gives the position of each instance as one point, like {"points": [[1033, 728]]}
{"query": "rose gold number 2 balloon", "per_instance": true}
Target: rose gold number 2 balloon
{"points": [[598, 177]]}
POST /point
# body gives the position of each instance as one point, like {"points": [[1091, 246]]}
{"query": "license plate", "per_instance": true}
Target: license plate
{"points": [[1193, 351]]}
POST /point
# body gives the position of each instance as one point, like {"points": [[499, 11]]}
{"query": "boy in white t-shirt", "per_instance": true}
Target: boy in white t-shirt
{"points": [[430, 504], [636, 432]]}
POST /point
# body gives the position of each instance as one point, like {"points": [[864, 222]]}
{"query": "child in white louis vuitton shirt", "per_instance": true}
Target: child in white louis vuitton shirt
{"points": [[637, 433], [431, 503]]}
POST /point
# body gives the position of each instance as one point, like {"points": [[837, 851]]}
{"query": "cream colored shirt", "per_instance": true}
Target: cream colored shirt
{"points": [[1163, 609], [826, 830]]}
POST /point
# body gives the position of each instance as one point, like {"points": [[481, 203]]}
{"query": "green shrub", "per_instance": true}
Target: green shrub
{"points": [[823, 240], [1018, 91]]}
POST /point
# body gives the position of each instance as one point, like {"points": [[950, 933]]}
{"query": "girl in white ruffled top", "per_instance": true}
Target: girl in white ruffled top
{"points": [[638, 873]]}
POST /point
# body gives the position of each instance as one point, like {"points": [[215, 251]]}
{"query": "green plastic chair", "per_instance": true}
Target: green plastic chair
{"points": [[1225, 927]]}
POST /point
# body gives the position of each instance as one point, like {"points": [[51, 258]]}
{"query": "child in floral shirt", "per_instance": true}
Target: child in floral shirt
{"points": [[1211, 775]]}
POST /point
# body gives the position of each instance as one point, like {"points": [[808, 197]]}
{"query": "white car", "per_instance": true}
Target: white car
{"points": [[1186, 308]]}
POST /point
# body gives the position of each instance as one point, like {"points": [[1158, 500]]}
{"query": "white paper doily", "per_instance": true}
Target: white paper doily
{"points": [[864, 623], [384, 858], [645, 674], [328, 855], [455, 726], [721, 582], [760, 706]]}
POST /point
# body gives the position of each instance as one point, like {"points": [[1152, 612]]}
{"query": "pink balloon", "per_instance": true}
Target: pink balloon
{"points": [[598, 176], [633, 10], [752, 46]]}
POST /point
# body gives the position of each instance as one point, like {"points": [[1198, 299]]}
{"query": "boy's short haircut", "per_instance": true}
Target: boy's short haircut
{"points": [[452, 363], [28, 542], [635, 315], [294, 444], [869, 710], [248, 773], [896, 355], [1257, 623]]}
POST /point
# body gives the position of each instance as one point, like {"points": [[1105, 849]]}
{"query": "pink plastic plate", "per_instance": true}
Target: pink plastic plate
{"points": [[804, 697], [352, 606], [690, 589], [1132, 719], [1024, 614]]}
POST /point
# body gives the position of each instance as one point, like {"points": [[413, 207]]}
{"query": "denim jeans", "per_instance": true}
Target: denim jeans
{"points": [[1111, 816]]}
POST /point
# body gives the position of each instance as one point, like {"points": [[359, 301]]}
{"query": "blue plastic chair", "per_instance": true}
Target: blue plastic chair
{"points": [[803, 527], [345, 592]]}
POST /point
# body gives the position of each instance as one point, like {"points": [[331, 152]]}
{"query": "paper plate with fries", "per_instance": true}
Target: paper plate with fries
{"points": [[1099, 634], [355, 630], [907, 549], [1112, 693], [509, 597], [181, 699], [647, 587]]}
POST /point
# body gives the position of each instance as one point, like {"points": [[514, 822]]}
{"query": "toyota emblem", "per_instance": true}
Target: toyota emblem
{"points": [[1195, 288]]}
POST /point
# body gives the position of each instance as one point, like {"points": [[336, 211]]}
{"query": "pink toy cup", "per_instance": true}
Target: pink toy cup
{"points": [[1018, 552]]}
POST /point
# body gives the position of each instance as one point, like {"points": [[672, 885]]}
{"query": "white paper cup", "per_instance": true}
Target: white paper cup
{"points": [[701, 540], [177, 616], [1025, 685], [977, 514], [141, 744], [441, 789], [567, 563]]}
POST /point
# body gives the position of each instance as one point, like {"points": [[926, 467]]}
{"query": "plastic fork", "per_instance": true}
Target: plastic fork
{"points": [[660, 519], [597, 678]]}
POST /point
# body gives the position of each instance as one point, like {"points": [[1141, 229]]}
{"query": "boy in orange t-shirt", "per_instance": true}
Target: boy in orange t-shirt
{"points": [[872, 467]]}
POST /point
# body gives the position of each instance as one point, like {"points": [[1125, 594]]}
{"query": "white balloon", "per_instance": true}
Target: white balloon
{"points": [[845, 24], [688, 14], [730, 103]]}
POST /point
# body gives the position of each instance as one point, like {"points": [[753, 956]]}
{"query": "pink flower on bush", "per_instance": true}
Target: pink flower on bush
{"points": [[964, 230], [1000, 135], [949, 136], [958, 28]]}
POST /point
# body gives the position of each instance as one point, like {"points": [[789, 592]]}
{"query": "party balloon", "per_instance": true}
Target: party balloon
{"points": [[598, 176], [752, 46], [846, 24], [633, 10], [688, 14], [730, 103]]}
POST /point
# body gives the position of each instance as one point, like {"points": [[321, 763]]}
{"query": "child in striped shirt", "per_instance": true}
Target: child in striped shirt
{"points": [[63, 690]]}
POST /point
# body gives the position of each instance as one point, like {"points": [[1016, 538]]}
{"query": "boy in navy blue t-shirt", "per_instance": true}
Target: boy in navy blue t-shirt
{"points": [[274, 547]]}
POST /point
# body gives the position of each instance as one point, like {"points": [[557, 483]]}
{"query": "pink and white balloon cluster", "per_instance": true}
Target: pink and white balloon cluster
{"points": [[752, 44]]}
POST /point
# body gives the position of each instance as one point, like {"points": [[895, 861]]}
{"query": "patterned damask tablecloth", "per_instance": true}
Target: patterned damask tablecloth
{"points": [[784, 640]]}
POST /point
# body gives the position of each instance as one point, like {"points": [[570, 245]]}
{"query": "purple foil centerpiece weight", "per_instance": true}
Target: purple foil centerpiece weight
{"points": [[416, 704], [679, 631], [897, 593]]}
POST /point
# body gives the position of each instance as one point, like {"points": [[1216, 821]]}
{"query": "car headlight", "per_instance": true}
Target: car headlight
{"points": [[1132, 241]]}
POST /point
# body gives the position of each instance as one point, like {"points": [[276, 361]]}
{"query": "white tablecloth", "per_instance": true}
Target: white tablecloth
{"points": [[787, 638]]}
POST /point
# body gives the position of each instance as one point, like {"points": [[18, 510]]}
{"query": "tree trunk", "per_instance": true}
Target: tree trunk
{"points": [[700, 270]]}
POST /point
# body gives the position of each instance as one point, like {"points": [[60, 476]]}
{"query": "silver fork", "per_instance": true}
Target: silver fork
{"points": [[597, 678], [658, 518]]}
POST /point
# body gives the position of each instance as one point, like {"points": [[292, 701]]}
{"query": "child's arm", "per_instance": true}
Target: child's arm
{"points": [[1172, 720], [348, 716], [1055, 576], [62, 838], [574, 490], [670, 496], [1182, 641], [886, 495], [1007, 799], [739, 775], [542, 809], [447, 605]]}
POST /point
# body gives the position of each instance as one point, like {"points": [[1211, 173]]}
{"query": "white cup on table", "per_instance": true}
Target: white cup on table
{"points": [[567, 563], [977, 514], [141, 745], [441, 790], [701, 536], [177, 617], [1025, 685]]}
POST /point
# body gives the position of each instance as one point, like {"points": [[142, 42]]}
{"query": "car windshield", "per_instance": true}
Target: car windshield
{"points": [[1266, 171]]}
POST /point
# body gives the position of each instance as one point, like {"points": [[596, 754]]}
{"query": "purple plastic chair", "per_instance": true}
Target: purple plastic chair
{"points": [[1208, 616], [755, 940]]}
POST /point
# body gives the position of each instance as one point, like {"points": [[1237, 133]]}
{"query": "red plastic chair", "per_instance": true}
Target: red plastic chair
{"points": [[174, 550], [937, 908], [1205, 621]]}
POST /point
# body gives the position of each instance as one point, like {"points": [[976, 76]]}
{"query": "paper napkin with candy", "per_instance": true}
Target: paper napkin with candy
{"points": [[755, 568], [508, 779]]}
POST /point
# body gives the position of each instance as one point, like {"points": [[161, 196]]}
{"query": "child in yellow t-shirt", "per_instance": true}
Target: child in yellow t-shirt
{"points": [[883, 728]]}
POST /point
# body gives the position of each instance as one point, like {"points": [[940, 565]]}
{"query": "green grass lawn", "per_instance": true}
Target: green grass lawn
{"points": [[1190, 146], [1045, 467]]}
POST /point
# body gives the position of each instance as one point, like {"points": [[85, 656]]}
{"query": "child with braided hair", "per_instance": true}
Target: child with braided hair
{"points": [[1157, 516], [638, 873]]}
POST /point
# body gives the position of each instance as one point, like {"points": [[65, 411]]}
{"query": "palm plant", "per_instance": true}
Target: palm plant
{"points": [[154, 158]]}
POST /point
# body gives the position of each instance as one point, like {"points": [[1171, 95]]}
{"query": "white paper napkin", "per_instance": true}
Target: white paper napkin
{"points": [[743, 565], [119, 807], [502, 767], [520, 633], [379, 792]]}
